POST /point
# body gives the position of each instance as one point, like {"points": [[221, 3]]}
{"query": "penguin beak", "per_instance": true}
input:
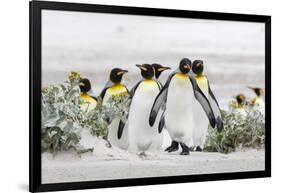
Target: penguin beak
{"points": [[122, 72], [163, 69], [141, 67], [251, 88]]}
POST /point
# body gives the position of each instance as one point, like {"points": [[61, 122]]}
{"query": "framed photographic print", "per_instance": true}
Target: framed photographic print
{"points": [[126, 96]]}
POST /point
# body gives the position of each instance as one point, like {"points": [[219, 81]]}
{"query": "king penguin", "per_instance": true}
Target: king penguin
{"points": [[162, 136], [143, 94], [239, 109], [258, 99], [114, 87], [158, 69], [200, 121], [177, 96], [90, 101]]}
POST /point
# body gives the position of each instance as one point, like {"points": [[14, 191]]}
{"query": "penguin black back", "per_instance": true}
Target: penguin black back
{"points": [[158, 68], [185, 65], [84, 85], [197, 67], [116, 75], [147, 71]]}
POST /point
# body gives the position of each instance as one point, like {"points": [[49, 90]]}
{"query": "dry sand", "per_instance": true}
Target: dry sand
{"points": [[114, 163]]}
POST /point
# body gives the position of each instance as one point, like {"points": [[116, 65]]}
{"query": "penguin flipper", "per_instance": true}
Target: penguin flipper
{"points": [[133, 90], [121, 123], [108, 84], [160, 101], [203, 100], [161, 123], [216, 108], [120, 129], [94, 98]]}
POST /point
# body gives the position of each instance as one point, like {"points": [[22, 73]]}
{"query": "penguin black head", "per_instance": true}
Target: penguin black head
{"points": [[185, 65], [116, 75], [240, 99], [259, 91], [158, 68], [197, 67], [84, 85], [147, 71]]}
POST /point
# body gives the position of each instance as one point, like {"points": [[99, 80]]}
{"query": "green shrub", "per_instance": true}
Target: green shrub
{"points": [[241, 130], [63, 119], [99, 118]]}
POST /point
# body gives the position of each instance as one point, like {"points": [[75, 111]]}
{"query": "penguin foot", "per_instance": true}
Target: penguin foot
{"points": [[198, 148], [185, 149], [173, 147], [185, 153]]}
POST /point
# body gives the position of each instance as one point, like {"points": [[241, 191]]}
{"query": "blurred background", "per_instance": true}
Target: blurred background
{"points": [[93, 44]]}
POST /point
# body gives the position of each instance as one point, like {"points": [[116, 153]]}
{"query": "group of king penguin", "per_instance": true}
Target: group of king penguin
{"points": [[184, 107], [257, 101]]}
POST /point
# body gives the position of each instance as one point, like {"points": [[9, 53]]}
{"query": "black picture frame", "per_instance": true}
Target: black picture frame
{"points": [[35, 8]]}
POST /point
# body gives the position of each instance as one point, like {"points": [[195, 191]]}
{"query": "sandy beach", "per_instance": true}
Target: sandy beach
{"points": [[93, 44], [114, 163]]}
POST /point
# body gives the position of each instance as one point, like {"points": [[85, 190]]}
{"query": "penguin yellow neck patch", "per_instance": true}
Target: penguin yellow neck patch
{"points": [[117, 89], [148, 85], [202, 82], [200, 76], [149, 81], [85, 97], [182, 76]]}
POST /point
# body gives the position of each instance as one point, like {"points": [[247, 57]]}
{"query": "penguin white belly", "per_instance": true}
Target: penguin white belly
{"points": [[200, 119], [112, 134], [139, 131], [200, 125], [259, 105], [179, 109], [113, 126], [157, 139]]}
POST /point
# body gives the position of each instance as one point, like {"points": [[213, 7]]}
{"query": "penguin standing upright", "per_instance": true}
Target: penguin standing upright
{"points": [[114, 87], [258, 99], [200, 122], [239, 109], [177, 97], [162, 135], [140, 133], [89, 101]]}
